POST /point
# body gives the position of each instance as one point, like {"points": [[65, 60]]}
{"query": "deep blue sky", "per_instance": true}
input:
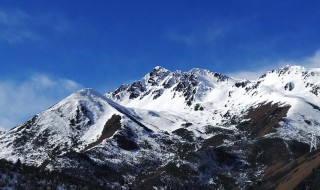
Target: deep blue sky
{"points": [[104, 43]]}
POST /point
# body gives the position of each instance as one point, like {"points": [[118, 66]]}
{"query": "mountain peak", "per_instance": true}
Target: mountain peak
{"points": [[190, 122], [87, 92], [288, 68], [156, 75], [200, 71], [206, 73], [158, 68]]}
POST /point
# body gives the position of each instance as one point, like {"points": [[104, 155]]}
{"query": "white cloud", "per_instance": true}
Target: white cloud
{"points": [[308, 62], [20, 100], [249, 75], [13, 17], [261, 67], [312, 61], [14, 36], [2, 129], [17, 25], [186, 39], [14, 26], [206, 35]]}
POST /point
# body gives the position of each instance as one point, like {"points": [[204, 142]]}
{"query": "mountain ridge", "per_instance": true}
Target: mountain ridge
{"points": [[221, 131]]}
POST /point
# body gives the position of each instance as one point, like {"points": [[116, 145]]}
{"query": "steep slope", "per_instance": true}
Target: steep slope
{"points": [[87, 135], [217, 99], [281, 106], [160, 88], [177, 130], [82, 119]]}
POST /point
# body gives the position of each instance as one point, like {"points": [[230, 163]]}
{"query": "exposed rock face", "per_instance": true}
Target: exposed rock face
{"points": [[174, 130], [264, 119]]}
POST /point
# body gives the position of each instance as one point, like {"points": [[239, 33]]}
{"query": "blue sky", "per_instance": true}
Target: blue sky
{"points": [[72, 44]]}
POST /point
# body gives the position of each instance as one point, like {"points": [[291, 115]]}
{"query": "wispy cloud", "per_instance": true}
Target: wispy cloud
{"points": [[249, 75], [13, 17], [187, 39], [206, 35], [17, 25], [2, 129], [19, 100], [308, 61], [13, 26], [311, 61]]}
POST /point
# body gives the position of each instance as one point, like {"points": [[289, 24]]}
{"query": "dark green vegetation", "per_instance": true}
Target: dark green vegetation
{"points": [[20, 176]]}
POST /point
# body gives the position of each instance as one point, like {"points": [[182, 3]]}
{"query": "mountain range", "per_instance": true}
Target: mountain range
{"points": [[174, 130]]}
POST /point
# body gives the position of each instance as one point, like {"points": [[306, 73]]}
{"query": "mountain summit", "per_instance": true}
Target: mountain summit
{"points": [[175, 130]]}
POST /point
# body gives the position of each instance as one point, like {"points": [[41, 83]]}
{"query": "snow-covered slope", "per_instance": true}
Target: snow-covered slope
{"points": [[70, 125], [160, 88], [206, 96], [200, 121]]}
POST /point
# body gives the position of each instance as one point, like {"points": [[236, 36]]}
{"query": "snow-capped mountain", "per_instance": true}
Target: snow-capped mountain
{"points": [[172, 130], [209, 96]]}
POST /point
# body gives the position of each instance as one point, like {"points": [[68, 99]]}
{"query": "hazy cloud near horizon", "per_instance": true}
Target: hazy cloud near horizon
{"points": [[308, 62], [20, 100]]}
